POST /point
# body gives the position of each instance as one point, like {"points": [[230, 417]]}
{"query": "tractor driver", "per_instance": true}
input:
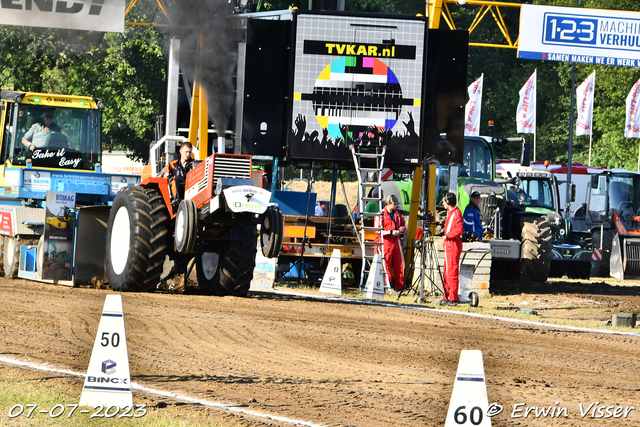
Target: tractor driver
{"points": [[176, 171], [36, 136]]}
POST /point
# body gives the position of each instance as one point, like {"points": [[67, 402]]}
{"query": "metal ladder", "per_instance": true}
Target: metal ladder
{"points": [[369, 178]]}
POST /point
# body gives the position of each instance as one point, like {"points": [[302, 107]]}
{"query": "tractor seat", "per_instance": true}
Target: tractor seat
{"points": [[340, 210], [57, 140], [626, 212]]}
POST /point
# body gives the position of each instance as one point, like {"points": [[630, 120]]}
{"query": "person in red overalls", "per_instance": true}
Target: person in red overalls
{"points": [[453, 229], [393, 227]]}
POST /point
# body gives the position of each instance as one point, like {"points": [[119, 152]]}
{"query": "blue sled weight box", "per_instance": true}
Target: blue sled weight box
{"points": [[295, 202]]}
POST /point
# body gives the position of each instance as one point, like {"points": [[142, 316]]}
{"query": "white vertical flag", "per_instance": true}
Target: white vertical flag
{"points": [[526, 113], [632, 119], [472, 110], [584, 95]]}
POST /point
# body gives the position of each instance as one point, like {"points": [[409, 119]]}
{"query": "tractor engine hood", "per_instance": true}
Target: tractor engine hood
{"points": [[628, 225]]}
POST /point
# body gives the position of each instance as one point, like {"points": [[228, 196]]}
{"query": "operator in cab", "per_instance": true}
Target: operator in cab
{"points": [[176, 171], [36, 136]]}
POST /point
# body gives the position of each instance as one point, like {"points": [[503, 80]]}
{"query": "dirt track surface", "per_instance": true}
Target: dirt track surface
{"points": [[322, 362]]}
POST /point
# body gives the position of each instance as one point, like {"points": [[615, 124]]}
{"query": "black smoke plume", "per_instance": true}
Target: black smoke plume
{"points": [[206, 53]]}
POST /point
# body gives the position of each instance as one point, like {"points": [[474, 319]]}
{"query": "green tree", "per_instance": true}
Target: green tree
{"points": [[383, 6], [505, 74], [126, 70]]}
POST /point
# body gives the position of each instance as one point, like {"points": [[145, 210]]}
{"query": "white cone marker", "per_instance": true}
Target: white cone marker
{"points": [[469, 402], [108, 382], [374, 287], [332, 280]]}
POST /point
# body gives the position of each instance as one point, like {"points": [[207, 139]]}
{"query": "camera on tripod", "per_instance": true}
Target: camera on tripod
{"points": [[428, 218], [426, 259]]}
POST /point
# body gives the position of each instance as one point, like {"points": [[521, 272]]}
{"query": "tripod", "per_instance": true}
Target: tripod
{"points": [[427, 255]]}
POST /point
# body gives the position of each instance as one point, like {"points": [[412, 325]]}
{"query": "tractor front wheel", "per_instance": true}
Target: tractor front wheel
{"points": [[535, 253], [579, 270], [271, 232], [186, 225]]}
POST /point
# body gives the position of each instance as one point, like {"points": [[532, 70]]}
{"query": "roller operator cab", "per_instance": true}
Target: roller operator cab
{"points": [[53, 195], [73, 141], [62, 155]]}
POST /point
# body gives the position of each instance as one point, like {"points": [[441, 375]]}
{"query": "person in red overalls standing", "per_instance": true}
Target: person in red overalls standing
{"points": [[393, 227], [453, 229]]}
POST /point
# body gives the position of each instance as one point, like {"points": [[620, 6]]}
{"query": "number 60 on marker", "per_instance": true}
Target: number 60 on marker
{"points": [[474, 417]]}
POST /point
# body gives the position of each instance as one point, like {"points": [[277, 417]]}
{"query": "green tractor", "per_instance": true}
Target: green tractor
{"points": [[536, 195], [477, 173], [520, 240]]}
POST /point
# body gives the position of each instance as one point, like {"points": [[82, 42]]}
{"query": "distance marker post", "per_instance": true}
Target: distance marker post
{"points": [[332, 280], [374, 287], [469, 402], [108, 382]]}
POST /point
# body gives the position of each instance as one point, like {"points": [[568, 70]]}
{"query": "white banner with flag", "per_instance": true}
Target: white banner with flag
{"points": [[526, 113], [90, 15], [584, 96], [472, 109], [632, 118]]}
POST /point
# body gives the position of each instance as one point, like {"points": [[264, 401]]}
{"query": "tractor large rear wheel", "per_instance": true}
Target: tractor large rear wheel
{"points": [[229, 271], [238, 259], [207, 272], [601, 268], [535, 253], [137, 239]]}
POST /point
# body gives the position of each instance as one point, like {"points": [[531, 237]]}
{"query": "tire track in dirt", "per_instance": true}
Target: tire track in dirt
{"points": [[343, 403], [321, 361], [300, 359]]}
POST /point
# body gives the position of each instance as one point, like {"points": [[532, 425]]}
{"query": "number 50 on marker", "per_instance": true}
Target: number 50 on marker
{"points": [[110, 339]]}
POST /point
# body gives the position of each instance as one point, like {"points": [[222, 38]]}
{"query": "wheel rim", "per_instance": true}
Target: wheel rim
{"points": [[120, 240], [180, 226], [265, 232], [209, 261]]}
